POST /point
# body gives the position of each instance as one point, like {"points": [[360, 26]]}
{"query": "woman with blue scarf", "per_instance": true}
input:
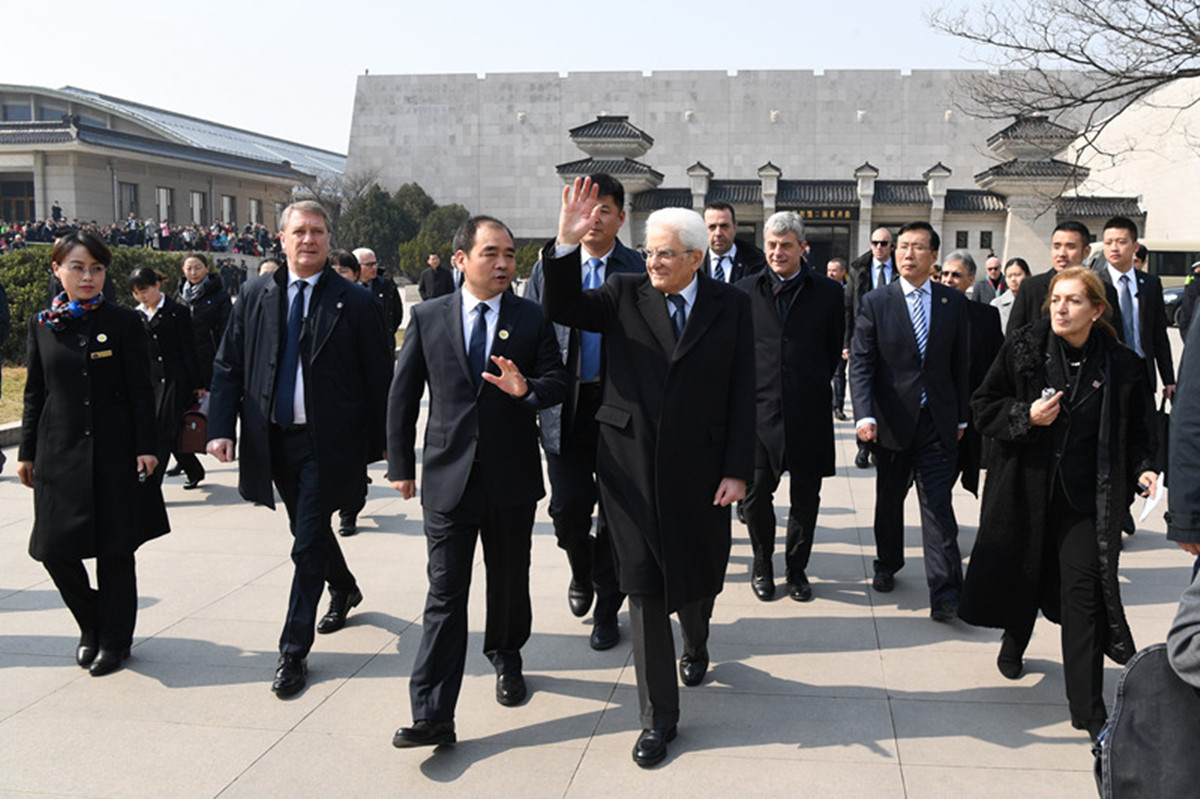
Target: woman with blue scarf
{"points": [[88, 440]]}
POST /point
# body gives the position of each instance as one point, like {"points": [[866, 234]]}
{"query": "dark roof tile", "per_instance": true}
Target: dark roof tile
{"points": [[901, 192], [973, 201], [612, 166], [610, 127], [825, 193], [655, 199]]}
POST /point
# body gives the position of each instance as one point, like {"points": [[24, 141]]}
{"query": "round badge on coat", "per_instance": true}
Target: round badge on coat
{"points": [[102, 337]]}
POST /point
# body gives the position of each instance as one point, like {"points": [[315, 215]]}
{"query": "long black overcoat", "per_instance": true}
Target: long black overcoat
{"points": [[794, 363], [675, 419], [174, 367], [1004, 575], [210, 316], [89, 412], [347, 369]]}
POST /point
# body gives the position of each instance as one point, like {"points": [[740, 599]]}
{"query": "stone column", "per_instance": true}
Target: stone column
{"points": [[865, 175]]}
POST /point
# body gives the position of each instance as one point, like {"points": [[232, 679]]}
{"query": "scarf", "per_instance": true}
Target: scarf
{"points": [[61, 310], [193, 292]]}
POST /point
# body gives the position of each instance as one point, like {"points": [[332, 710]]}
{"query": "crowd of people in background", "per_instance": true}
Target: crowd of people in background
{"points": [[250, 239]]}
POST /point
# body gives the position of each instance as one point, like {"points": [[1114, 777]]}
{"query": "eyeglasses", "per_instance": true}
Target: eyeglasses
{"points": [[80, 271], [666, 255], [881, 244], [953, 275]]}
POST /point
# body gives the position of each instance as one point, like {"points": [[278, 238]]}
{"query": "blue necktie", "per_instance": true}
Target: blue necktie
{"points": [[1129, 318], [920, 325], [285, 390], [678, 315], [478, 345], [718, 270], [589, 343]]}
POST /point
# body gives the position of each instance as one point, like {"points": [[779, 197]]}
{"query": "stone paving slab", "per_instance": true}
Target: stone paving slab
{"points": [[854, 694]]}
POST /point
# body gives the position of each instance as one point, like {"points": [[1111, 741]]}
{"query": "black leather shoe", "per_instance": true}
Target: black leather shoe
{"points": [[1010, 661], [839, 414], [651, 746], [605, 634], [579, 597], [799, 588], [107, 661], [424, 733], [339, 608], [693, 667], [883, 582], [510, 688], [863, 459], [291, 676], [85, 653], [348, 527], [193, 484], [178, 470], [944, 611], [762, 581]]}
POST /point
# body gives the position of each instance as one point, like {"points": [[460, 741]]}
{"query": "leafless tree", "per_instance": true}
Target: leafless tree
{"points": [[335, 190], [1080, 61]]}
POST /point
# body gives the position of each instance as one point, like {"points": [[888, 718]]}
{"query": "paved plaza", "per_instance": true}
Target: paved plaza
{"points": [[855, 694]]}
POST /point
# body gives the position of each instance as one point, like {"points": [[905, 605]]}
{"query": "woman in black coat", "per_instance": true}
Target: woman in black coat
{"points": [[174, 368], [202, 293], [1066, 405], [87, 447]]}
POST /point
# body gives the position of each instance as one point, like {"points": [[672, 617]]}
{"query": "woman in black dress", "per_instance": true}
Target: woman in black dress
{"points": [[1066, 406], [174, 368], [88, 445]]}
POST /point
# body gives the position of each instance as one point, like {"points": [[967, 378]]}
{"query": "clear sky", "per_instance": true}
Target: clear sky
{"points": [[289, 69]]}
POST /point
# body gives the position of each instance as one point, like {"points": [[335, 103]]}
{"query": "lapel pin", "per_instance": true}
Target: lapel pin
{"points": [[943, 300], [503, 334], [102, 337], [1095, 384], [339, 305]]}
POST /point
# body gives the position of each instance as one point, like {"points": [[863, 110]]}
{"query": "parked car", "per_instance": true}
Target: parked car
{"points": [[1172, 296]]}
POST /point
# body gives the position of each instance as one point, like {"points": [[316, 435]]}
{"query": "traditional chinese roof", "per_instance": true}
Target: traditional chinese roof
{"points": [[826, 193], [735, 192], [1048, 168], [1033, 128], [611, 127], [901, 192], [973, 201], [1099, 207], [612, 166], [655, 199]]}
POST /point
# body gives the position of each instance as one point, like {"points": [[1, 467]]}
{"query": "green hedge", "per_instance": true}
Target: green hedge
{"points": [[25, 275]]}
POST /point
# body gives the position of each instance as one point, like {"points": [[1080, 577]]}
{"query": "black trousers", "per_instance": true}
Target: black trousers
{"points": [[839, 385], [931, 466], [316, 555], [759, 506], [506, 534], [348, 513], [573, 495], [105, 614], [188, 462], [654, 653], [1071, 569]]}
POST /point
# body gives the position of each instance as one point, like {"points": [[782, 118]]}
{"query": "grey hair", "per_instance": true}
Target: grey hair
{"points": [[684, 222], [361, 251], [962, 255], [305, 207], [782, 222]]}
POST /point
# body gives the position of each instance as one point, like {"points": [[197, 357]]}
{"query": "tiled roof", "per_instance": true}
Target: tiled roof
{"points": [[19, 133], [735, 192], [825, 193], [1033, 128], [901, 192], [1099, 206], [214, 137], [612, 166], [973, 201], [1050, 168], [610, 127], [655, 199]]}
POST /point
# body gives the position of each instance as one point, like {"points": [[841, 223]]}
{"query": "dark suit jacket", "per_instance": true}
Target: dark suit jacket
{"points": [[1152, 324], [887, 372], [174, 367], [986, 339], [795, 359], [1031, 296], [676, 418], [748, 260], [858, 283], [470, 427], [346, 372], [984, 291], [434, 283], [558, 420]]}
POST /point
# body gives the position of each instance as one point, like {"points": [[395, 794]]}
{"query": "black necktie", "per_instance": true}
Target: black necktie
{"points": [[679, 314], [882, 278], [285, 391], [478, 345]]}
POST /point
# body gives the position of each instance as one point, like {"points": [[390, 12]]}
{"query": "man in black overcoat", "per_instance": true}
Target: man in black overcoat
{"points": [[869, 271], [676, 436], [798, 327], [303, 363], [482, 474]]}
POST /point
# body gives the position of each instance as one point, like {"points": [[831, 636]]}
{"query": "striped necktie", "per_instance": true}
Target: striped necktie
{"points": [[920, 326]]}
